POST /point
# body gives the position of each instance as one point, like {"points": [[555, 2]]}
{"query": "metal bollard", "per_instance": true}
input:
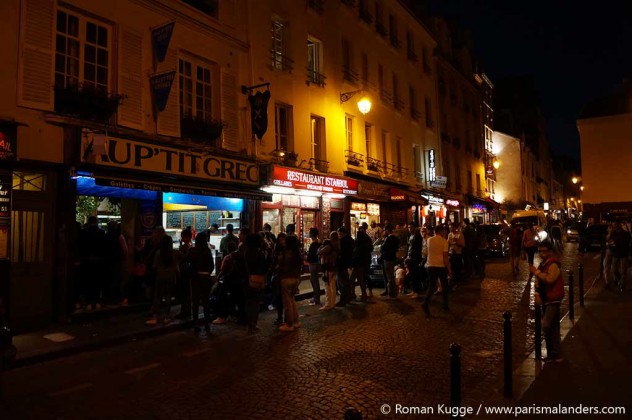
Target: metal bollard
{"points": [[455, 376], [507, 354], [580, 269], [571, 296], [538, 332]]}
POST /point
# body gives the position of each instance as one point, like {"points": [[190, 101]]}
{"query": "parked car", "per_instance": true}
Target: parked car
{"points": [[497, 240], [593, 238]]}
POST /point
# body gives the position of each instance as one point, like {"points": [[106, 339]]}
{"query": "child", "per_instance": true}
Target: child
{"points": [[400, 275]]}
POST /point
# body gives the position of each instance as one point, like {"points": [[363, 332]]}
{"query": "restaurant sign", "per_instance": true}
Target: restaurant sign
{"points": [[129, 154], [291, 178]]}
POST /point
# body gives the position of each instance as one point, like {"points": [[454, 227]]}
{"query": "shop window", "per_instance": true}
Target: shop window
{"points": [[195, 90], [23, 181], [82, 55], [283, 127]]}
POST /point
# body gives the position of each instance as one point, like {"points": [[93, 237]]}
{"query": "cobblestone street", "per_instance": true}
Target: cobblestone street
{"points": [[363, 356]]}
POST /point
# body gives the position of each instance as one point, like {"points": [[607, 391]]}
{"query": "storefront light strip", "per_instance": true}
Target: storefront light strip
{"points": [[278, 190], [333, 195]]}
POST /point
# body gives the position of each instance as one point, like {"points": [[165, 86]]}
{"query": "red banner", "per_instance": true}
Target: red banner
{"points": [[291, 178]]}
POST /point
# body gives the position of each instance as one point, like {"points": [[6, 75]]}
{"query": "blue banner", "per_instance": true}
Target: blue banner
{"points": [[160, 37], [160, 88]]}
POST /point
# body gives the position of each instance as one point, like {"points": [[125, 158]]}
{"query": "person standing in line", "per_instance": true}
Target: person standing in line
{"points": [[439, 269], [229, 237], [328, 255], [549, 293], [362, 248], [515, 245], [254, 263], [201, 264], [469, 252], [166, 268], [619, 244], [277, 289], [375, 232], [91, 249], [184, 279], [345, 264], [425, 234], [314, 266], [290, 265], [230, 287], [415, 246], [530, 244], [456, 243], [389, 257]]}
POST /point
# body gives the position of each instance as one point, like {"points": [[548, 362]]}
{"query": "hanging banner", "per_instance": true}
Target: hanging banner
{"points": [[259, 112], [6, 184], [432, 170], [160, 38], [161, 87], [439, 182]]}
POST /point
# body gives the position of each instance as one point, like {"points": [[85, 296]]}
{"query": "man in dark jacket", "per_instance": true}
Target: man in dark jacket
{"points": [[363, 246], [346, 256], [415, 243], [389, 257]]}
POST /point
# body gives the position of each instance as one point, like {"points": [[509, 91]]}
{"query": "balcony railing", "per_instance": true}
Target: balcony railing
{"points": [[319, 165], [281, 62], [412, 56], [385, 96], [395, 42], [398, 103], [350, 75], [314, 77], [354, 159], [373, 165], [415, 114], [418, 175]]}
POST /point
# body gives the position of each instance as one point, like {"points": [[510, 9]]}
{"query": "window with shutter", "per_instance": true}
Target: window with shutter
{"points": [[130, 113], [229, 112]]}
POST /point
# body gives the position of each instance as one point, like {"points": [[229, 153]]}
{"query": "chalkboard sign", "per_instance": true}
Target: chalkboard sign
{"points": [[187, 219], [214, 217], [173, 219], [200, 221]]}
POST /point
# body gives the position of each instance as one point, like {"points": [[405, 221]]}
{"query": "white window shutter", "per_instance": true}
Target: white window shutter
{"points": [[169, 119], [130, 112], [230, 133], [35, 71]]}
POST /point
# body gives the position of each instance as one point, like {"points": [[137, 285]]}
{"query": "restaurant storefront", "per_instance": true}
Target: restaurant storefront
{"points": [[406, 207], [368, 205], [483, 210], [306, 199]]}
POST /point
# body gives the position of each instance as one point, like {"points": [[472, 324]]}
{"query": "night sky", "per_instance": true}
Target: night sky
{"points": [[575, 51]]}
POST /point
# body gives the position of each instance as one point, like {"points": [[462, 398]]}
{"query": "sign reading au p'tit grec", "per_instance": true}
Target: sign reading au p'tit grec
{"points": [[285, 177], [129, 154]]}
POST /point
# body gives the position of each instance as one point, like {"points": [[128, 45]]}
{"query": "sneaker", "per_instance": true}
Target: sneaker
{"points": [[271, 307], [285, 328], [152, 321], [219, 321], [311, 302]]}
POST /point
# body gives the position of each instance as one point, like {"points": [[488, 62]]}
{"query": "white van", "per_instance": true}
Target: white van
{"points": [[536, 217]]}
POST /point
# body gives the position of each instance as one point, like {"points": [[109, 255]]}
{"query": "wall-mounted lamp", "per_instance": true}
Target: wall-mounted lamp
{"points": [[496, 164], [364, 104]]}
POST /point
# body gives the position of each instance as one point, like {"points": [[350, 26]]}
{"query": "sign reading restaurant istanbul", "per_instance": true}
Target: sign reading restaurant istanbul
{"points": [[129, 154], [290, 178]]}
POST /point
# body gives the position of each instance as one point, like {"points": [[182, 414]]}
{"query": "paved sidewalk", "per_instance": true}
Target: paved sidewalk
{"points": [[596, 370], [97, 329]]}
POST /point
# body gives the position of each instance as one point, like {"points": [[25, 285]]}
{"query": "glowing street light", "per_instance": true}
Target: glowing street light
{"points": [[496, 164], [364, 105], [575, 180]]}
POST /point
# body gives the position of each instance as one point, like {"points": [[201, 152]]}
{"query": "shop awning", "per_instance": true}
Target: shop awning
{"points": [[190, 188], [402, 195], [487, 202]]}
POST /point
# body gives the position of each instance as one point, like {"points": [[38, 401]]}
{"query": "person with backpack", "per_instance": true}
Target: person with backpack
{"points": [[201, 264], [328, 255]]}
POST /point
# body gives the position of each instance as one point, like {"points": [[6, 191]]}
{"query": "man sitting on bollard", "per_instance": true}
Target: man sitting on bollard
{"points": [[549, 292]]}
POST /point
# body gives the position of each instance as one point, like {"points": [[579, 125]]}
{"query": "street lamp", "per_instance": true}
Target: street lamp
{"points": [[364, 104], [496, 164], [575, 180]]}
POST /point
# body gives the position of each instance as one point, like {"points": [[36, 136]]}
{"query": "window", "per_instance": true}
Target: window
{"points": [[195, 90], [208, 7], [349, 131], [81, 53], [457, 176], [384, 146], [425, 60], [410, 47], [392, 29], [283, 127], [397, 100], [379, 19], [417, 162], [280, 61], [364, 75], [428, 108], [412, 99], [478, 184], [314, 62], [318, 137], [363, 8], [347, 62], [368, 139], [469, 182], [398, 154]]}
